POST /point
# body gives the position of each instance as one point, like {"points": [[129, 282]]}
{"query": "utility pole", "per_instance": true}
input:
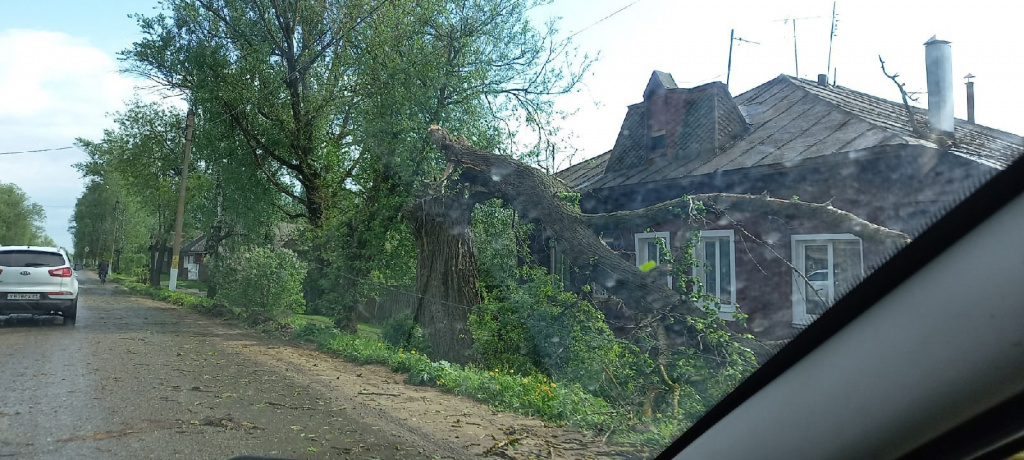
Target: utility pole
{"points": [[113, 236], [180, 219]]}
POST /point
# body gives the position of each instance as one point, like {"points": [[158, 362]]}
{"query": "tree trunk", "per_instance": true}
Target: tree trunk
{"points": [[446, 271], [215, 237], [157, 259]]}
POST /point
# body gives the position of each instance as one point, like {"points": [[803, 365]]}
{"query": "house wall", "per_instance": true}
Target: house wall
{"points": [[764, 273], [900, 187]]}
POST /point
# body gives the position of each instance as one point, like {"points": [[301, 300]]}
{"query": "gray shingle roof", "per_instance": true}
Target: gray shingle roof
{"points": [[790, 120], [702, 121], [197, 245], [666, 79]]}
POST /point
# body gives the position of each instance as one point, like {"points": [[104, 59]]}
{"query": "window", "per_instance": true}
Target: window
{"points": [[716, 258], [658, 140], [648, 249], [826, 265], [30, 258]]}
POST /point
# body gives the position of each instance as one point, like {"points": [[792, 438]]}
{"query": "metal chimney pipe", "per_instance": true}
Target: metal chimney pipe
{"points": [[939, 65], [970, 98]]}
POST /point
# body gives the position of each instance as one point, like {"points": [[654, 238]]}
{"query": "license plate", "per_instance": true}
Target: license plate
{"points": [[22, 296]]}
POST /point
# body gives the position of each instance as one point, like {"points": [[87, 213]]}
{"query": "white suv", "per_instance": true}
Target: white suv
{"points": [[37, 281]]}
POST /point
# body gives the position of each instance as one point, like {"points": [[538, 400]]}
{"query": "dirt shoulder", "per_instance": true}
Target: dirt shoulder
{"points": [[460, 421], [158, 381]]}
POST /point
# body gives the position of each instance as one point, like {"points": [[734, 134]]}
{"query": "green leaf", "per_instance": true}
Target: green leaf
{"points": [[648, 266]]}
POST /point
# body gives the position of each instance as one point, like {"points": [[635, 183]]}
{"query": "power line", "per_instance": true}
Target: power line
{"points": [[37, 150], [602, 19]]}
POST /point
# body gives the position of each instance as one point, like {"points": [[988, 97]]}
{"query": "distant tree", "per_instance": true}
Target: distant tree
{"points": [[21, 220], [142, 155]]}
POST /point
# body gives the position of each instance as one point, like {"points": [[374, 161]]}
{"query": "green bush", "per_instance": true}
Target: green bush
{"points": [[262, 285], [402, 332], [536, 326]]}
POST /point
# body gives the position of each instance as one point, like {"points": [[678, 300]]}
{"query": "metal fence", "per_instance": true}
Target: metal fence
{"points": [[392, 301]]}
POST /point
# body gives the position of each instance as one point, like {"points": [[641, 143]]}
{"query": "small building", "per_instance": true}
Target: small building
{"points": [[788, 138], [191, 260]]}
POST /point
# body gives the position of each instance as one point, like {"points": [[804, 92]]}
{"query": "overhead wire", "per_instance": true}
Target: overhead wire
{"points": [[16, 152], [634, 2]]}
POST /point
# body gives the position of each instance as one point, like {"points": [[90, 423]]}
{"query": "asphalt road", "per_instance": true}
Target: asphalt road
{"points": [[140, 379]]}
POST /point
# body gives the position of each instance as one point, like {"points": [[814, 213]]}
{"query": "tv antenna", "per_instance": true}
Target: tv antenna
{"points": [[831, 38], [796, 60], [732, 39]]}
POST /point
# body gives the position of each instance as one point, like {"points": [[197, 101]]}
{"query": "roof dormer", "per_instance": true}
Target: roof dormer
{"points": [[675, 124], [659, 82]]}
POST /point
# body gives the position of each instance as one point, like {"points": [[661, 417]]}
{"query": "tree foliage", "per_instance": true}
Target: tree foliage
{"points": [[279, 72], [21, 220], [245, 287]]}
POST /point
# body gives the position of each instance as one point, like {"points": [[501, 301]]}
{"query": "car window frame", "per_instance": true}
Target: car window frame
{"points": [[990, 197]]}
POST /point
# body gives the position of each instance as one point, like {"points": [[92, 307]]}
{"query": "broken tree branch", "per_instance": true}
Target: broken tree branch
{"points": [[906, 104]]}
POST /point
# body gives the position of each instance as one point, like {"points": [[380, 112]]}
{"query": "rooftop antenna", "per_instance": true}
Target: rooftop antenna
{"points": [[732, 39], [831, 38], [796, 60]]}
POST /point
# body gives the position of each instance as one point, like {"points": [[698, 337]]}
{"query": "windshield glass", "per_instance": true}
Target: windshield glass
{"points": [[30, 259], [512, 227]]}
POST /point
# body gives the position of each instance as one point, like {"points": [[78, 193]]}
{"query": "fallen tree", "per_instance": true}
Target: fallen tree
{"points": [[685, 341], [536, 198]]}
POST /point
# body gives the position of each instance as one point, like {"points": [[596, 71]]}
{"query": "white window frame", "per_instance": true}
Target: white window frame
{"points": [[800, 316], [725, 311], [642, 249]]}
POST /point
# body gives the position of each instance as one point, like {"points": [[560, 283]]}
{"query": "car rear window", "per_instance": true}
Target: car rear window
{"points": [[31, 259]]}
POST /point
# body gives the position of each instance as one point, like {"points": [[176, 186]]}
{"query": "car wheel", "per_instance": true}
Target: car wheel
{"points": [[71, 313]]}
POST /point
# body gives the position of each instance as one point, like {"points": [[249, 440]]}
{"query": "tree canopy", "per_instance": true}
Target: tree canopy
{"points": [[21, 220]]}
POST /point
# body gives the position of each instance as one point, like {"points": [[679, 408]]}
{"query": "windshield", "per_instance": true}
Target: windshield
{"points": [[30, 259], [510, 228]]}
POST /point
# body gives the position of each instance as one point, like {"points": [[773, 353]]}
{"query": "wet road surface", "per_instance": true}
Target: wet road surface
{"points": [[139, 379], [135, 378]]}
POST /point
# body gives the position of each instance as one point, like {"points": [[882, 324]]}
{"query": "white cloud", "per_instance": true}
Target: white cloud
{"points": [[54, 88]]}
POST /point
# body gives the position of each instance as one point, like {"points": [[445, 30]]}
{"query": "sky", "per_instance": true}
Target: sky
{"points": [[60, 79]]}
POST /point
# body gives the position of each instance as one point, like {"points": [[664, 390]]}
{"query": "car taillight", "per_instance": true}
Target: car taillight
{"points": [[60, 293], [62, 272]]}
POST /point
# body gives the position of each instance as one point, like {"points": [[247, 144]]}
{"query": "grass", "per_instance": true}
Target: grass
{"points": [[187, 284], [369, 331], [502, 389]]}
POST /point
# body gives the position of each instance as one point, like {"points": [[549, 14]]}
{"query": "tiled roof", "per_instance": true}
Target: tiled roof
{"points": [[791, 120]]}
